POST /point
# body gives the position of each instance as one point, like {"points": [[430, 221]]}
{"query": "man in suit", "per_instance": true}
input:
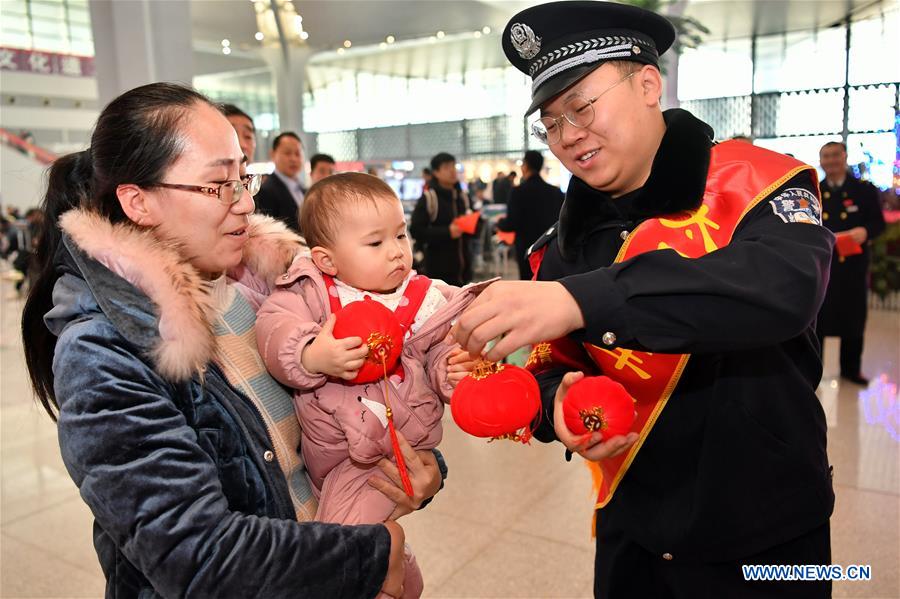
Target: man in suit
{"points": [[533, 208], [282, 194]]}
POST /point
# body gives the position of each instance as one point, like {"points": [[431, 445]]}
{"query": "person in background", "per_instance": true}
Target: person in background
{"points": [[282, 194], [320, 166], [447, 253], [849, 206], [244, 127], [427, 178], [533, 208], [512, 176], [500, 188]]}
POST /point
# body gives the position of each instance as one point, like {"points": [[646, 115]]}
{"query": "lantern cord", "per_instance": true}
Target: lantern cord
{"points": [[395, 443]]}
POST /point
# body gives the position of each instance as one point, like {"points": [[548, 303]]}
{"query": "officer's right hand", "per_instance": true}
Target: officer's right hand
{"points": [[455, 231], [592, 448]]}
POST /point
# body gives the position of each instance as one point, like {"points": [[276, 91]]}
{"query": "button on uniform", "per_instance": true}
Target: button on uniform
{"points": [[608, 338], [268, 456], [668, 557], [623, 235]]}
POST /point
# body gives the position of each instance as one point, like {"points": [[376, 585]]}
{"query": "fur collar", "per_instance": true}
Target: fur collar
{"points": [[677, 182], [183, 342]]}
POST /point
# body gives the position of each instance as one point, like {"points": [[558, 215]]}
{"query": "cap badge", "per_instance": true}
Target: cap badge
{"points": [[523, 39]]}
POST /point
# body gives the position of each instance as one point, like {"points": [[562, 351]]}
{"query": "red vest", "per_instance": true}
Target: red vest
{"points": [[740, 177]]}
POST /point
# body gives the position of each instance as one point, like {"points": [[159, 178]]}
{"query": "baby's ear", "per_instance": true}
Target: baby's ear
{"points": [[323, 260]]}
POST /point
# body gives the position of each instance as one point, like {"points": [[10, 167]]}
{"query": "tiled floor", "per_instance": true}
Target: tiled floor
{"points": [[513, 521]]}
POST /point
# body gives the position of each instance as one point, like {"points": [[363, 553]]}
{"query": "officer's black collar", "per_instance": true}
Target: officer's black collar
{"points": [[677, 182]]}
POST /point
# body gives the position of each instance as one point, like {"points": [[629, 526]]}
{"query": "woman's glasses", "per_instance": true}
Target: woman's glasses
{"points": [[228, 193]]}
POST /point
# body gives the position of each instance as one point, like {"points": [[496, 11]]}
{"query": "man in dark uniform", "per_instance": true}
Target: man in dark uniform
{"points": [[729, 466], [443, 243], [849, 207], [533, 208]]}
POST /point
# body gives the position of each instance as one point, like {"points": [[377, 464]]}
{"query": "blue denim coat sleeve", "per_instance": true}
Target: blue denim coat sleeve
{"points": [[155, 492]]}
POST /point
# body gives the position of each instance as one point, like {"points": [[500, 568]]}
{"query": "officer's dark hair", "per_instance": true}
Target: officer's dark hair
{"points": [[232, 110], [317, 158], [835, 143], [281, 136], [441, 159], [627, 67], [138, 136], [534, 160]]}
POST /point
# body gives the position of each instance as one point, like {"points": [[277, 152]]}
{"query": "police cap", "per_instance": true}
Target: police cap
{"points": [[559, 43]]}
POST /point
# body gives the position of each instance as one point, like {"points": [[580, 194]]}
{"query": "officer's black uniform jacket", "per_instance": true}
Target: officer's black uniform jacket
{"points": [[736, 461], [853, 204]]}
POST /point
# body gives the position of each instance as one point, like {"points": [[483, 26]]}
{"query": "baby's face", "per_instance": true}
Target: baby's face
{"points": [[372, 252]]}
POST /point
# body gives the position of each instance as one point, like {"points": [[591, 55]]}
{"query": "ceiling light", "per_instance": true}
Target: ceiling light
{"points": [[226, 50], [225, 43], [440, 35], [382, 45], [477, 34], [486, 30], [340, 50], [259, 36], [347, 43], [389, 39], [304, 35]]}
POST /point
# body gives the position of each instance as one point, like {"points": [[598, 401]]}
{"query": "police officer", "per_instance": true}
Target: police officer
{"points": [[692, 273], [850, 207]]}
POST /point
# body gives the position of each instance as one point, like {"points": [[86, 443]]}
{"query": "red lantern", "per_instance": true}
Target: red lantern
{"points": [[379, 329], [497, 401], [598, 403]]}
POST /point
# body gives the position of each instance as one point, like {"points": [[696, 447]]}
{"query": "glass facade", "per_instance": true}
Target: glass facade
{"points": [[360, 100], [62, 26], [788, 91]]}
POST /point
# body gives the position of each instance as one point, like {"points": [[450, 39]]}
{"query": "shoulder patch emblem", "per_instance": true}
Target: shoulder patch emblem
{"points": [[797, 205]]}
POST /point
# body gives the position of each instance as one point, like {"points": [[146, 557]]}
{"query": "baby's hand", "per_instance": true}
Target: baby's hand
{"points": [[340, 358], [459, 365]]}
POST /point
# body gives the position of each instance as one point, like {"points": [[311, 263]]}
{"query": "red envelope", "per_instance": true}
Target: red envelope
{"points": [[846, 246], [507, 237], [468, 222]]}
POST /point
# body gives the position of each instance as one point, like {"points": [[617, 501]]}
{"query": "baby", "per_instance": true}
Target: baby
{"points": [[356, 231]]}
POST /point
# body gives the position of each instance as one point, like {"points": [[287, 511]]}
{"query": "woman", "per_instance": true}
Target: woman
{"points": [[173, 449]]}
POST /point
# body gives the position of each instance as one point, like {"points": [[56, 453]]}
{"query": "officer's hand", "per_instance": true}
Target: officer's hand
{"points": [[859, 234], [455, 231], [525, 312], [591, 448]]}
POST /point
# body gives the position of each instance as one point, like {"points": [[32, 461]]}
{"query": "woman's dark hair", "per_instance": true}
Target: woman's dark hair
{"points": [[136, 139]]}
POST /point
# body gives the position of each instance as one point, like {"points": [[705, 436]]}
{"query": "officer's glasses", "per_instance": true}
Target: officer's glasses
{"points": [[228, 193], [578, 111]]}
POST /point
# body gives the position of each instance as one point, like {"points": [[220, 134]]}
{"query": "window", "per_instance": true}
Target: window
{"points": [[62, 26]]}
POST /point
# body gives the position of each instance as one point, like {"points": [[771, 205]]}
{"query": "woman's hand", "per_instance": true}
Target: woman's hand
{"points": [[393, 581], [340, 358], [459, 365], [424, 475], [592, 447]]}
